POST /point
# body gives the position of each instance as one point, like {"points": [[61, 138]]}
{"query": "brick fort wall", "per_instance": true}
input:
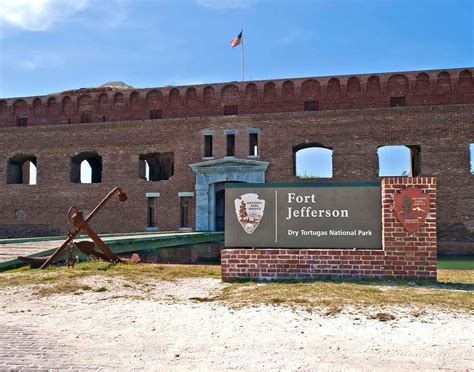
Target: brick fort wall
{"points": [[353, 118]]}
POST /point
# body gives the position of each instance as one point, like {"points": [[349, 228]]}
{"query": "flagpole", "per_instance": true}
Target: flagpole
{"points": [[242, 55]]}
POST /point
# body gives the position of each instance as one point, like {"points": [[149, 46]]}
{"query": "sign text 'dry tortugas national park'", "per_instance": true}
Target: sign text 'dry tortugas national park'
{"points": [[328, 215]]}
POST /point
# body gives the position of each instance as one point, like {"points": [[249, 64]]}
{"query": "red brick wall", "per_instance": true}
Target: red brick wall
{"points": [[443, 133], [354, 121], [404, 254], [420, 88]]}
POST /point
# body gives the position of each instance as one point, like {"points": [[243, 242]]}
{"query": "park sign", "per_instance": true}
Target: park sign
{"points": [[303, 215]]}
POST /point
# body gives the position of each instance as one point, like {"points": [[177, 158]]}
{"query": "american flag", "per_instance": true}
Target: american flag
{"points": [[236, 40]]}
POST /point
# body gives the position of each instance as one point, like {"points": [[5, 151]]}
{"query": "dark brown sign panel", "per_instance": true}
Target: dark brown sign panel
{"points": [[411, 208], [303, 215]]}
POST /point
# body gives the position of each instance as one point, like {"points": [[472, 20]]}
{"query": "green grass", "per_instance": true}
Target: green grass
{"points": [[456, 262], [454, 289], [61, 279]]}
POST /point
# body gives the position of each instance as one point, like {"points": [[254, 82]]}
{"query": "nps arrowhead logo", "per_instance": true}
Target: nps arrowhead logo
{"points": [[249, 209], [411, 208]]}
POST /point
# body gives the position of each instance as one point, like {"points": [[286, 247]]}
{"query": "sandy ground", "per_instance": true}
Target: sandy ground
{"points": [[170, 331]]}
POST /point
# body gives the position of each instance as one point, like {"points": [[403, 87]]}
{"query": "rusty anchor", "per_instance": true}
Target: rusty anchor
{"points": [[76, 218]]}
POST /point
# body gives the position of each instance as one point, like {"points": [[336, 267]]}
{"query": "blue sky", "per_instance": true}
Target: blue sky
{"points": [[52, 45], [48, 46]]}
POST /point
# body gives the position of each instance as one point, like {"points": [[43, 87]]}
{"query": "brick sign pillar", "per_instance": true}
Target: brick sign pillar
{"points": [[410, 255]]}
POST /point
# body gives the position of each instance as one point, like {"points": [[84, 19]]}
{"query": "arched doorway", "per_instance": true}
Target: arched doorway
{"points": [[211, 177]]}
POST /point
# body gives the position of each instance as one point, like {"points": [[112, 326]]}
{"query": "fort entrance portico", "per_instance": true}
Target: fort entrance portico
{"points": [[211, 174]]}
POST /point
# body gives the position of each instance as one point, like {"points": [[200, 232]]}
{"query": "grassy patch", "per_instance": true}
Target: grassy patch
{"points": [[64, 287], [383, 317], [130, 273], [56, 280], [462, 277], [201, 299], [455, 291]]}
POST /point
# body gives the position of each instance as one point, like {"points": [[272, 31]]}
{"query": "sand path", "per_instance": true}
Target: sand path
{"points": [[112, 330]]}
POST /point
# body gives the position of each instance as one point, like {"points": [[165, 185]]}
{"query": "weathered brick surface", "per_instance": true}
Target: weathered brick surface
{"points": [[25, 349], [354, 122], [420, 88], [404, 254]]}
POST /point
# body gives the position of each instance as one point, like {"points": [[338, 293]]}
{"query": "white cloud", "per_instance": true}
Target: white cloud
{"points": [[29, 65], [34, 59], [226, 4], [38, 15], [110, 14], [293, 36]]}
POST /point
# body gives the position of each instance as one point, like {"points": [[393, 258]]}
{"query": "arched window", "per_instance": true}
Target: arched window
{"points": [[68, 106], [103, 102], [135, 103], [86, 172], [37, 107], [32, 172], [251, 93], [399, 160], [288, 91], [373, 87], [52, 106], [208, 96], [175, 99], [192, 98], [353, 87], [269, 92], [21, 169], [86, 167], [422, 84], [333, 89], [119, 101], [313, 161]]}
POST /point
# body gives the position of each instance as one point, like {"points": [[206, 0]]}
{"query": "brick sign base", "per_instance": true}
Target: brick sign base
{"points": [[410, 255]]}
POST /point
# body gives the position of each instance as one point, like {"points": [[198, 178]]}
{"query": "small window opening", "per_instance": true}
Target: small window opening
{"points": [[21, 169], [103, 119], [69, 120], [313, 161], [156, 114], [147, 171], [208, 146], [253, 144], [399, 160], [231, 110], [21, 122], [86, 118], [397, 101], [185, 221], [230, 144], [471, 148], [311, 106], [86, 172], [86, 168], [32, 172], [151, 223], [156, 166]]}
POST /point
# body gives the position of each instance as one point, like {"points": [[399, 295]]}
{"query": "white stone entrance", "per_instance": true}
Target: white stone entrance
{"points": [[211, 172]]}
